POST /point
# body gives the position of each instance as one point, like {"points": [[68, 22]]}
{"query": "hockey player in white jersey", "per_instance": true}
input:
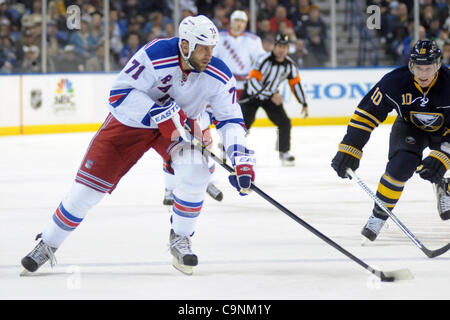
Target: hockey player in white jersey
{"points": [[163, 87], [238, 48]]}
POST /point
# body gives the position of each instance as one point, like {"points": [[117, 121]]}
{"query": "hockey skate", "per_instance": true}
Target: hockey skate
{"points": [[214, 192], [373, 227], [443, 198], [38, 256], [287, 160], [183, 258], [168, 197]]}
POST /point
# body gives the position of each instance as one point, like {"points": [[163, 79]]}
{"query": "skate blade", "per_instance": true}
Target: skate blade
{"points": [[365, 242], [188, 270], [288, 164], [25, 273]]}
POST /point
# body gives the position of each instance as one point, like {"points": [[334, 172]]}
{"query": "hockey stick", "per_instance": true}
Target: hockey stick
{"points": [[428, 252], [403, 274], [256, 94]]}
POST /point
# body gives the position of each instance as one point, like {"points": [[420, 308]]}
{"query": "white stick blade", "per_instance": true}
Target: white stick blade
{"points": [[402, 274]]}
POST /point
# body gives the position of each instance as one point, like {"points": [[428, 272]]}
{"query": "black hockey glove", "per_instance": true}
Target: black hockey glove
{"points": [[346, 157], [434, 166]]}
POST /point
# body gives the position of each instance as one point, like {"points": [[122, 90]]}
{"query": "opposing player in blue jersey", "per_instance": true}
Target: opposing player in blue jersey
{"points": [[163, 89], [420, 95]]}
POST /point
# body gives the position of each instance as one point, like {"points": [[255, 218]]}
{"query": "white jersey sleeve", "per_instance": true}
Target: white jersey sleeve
{"points": [[133, 85], [226, 111]]}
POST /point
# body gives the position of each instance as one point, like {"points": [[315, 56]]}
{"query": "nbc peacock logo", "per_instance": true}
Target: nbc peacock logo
{"points": [[64, 85], [64, 98]]}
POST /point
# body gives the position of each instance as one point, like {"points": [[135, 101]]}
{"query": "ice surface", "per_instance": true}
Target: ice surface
{"points": [[247, 248]]}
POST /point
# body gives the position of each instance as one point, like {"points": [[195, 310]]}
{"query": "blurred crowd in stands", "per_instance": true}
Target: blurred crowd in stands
{"points": [[397, 26], [132, 23]]}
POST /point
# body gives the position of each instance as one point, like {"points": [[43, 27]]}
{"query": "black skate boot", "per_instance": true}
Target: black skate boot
{"points": [[214, 192], [184, 259], [374, 224], [38, 256]]}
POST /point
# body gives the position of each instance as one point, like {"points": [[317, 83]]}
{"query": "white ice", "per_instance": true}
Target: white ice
{"points": [[247, 248]]}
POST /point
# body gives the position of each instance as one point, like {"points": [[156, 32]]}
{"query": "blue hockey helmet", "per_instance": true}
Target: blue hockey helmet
{"points": [[425, 52]]}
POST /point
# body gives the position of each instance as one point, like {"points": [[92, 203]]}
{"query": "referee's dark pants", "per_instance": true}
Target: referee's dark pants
{"points": [[275, 113]]}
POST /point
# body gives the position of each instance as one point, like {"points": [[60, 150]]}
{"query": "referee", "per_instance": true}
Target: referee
{"points": [[261, 90]]}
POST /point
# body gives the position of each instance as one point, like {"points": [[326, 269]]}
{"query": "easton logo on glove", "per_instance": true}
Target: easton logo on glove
{"points": [[164, 113], [170, 120]]}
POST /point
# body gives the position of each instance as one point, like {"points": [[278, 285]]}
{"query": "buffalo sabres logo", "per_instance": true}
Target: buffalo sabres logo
{"points": [[427, 121]]}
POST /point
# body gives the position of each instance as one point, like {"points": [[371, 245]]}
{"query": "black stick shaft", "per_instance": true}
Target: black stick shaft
{"points": [[298, 219]]}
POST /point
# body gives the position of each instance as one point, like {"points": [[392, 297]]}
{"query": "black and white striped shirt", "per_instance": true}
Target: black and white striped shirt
{"points": [[267, 71]]}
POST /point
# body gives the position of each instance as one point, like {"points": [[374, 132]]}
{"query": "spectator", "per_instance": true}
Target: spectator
{"points": [[28, 38], [268, 8], [30, 62], [35, 13], [263, 29], [230, 6], [443, 37], [69, 61], [55, 43], [285, 29], [314, 31], [300, 54], [280, 16], [446, 53], [57, 14], [96, 29], [8, 14], [434, 29], [188, 12], [188, 8], [268, 42], [300, 14], [169, 30], [220, 18], [398, 28], [133, 44], [405, 47], [158, 22], [10, 54], [130, 9], [443, 10], [83, 41], [428, 15], [115, 42], [97, 61]]}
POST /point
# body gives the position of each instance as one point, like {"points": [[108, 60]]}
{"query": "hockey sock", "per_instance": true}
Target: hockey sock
{"points": [[185, 215], [389, 192], [169, 180], [70, 213]]}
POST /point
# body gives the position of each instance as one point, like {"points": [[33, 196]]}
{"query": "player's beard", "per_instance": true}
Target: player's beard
{"points": [[200, 67]]}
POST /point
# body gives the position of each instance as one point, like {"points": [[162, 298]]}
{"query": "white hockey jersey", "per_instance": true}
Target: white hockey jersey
{"points": [[153, 75], [239, 53]]}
